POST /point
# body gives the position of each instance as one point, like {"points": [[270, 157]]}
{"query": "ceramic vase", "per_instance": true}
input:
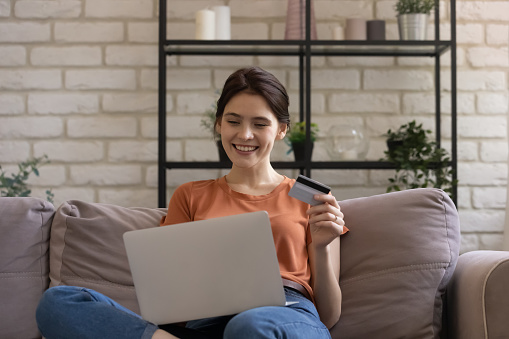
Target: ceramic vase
{"points": [[296, 20]]}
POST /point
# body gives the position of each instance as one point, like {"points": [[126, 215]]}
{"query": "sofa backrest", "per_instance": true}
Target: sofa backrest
{"points": [[24, 235], [396, 262]]}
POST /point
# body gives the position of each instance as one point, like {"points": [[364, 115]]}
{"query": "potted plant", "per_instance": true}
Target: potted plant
{"points": [[413, 17], [296, 139], [16, 186], [419, 161]]}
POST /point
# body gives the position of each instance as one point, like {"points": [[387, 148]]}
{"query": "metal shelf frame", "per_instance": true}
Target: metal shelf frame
{"points": [[304, 50]]}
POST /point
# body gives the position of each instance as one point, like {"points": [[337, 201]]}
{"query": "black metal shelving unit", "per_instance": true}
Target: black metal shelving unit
{"points": [[304, 50]]}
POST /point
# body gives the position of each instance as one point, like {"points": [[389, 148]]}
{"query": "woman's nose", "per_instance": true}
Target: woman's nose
{"points": [[246, 133]]}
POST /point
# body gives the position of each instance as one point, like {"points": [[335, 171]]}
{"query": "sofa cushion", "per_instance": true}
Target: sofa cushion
{"points": [[24, 237], [87, 248], [396, 261]]}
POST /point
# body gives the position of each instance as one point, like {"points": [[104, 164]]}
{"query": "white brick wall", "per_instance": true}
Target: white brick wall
{"points": [[30, 79], [11, 104], [62, 103], [27, 9], [66, 56], [20, 32], [12, 56], [118, 9], [5, 8], [78, 82]]}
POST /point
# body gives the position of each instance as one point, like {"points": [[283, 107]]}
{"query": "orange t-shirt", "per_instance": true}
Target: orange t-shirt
{"points": [[199, 200]]}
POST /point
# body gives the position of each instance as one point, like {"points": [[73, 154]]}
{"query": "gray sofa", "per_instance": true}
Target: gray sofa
{"points": [[397, 262]]}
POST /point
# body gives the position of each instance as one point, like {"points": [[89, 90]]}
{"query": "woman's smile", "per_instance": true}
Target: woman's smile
{"points": [[245, 148]]}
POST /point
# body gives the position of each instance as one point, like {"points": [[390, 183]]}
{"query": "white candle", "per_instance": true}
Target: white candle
{"points": [[222, 22], [205, 25], [349, 155], [338, 34]]}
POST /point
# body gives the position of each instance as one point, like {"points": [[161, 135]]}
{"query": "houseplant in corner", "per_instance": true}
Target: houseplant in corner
{"points": [[419, 161], [16, 186], [413, 17], [296, 139]]}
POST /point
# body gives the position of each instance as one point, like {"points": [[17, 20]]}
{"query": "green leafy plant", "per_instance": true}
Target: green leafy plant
{"points": [[297, 133], [414, 6], [16, 186], [419, 161]]}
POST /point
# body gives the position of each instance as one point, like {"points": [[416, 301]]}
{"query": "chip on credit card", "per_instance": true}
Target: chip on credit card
{"points": [[305, 188]]}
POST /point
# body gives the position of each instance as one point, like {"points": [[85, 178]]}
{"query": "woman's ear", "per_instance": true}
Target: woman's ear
{"points": [[217, 126], [282, 131]]}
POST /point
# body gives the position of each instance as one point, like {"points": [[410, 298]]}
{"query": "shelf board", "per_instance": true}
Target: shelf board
{"points": [[287, 165], [298, 47]]}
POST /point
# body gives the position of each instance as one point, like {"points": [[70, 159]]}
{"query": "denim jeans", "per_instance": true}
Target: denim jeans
{"points": [[76, 312]]}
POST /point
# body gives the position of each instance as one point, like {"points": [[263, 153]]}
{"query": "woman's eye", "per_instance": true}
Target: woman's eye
{"points": [[260, 125], [231, 122]]}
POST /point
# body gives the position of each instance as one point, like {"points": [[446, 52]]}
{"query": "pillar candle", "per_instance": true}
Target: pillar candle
{"points": [[355, 29], [376, 29], [338, 34], [222, 22], [205, 25]]}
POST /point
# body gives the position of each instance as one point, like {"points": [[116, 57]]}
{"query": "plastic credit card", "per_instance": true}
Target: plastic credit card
{"points": [[305, 188]]}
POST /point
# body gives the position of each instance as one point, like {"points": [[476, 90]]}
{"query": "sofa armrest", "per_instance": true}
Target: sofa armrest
{"points": [[477, 296], [24, 239]]}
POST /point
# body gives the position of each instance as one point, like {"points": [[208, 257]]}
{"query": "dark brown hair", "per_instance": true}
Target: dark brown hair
{"points": [[256, 80]]}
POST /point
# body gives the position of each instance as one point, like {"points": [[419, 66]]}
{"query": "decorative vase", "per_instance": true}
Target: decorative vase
{"points": [[296, 20], [347, 143], [375, 29], [413, 26], [355, 29], [299, 151]]}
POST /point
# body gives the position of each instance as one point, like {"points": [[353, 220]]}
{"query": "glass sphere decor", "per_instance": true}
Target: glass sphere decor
{"points": [[347, 143]]}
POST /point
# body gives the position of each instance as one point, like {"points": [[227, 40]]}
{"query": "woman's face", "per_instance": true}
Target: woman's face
{"points": [[248, 130]]}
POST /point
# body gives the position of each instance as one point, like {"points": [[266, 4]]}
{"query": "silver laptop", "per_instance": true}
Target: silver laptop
{"points": [[205, 268]]}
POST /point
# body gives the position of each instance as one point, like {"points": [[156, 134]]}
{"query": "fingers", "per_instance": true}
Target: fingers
{"points": [[329, 205], [326, 198], [329, 211], [326, 230], [327, 218]]}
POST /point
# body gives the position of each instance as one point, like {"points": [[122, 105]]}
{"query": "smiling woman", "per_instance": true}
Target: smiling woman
{"points": [[252, 114]]}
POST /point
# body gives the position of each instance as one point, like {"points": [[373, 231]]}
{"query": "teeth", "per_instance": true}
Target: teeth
{"points": [[245, 148]]}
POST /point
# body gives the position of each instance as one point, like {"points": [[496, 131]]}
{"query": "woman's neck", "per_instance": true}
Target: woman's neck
{"points": [[253, 182]]}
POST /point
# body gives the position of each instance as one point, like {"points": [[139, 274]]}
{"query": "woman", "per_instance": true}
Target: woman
{"points": [[252, 113]]}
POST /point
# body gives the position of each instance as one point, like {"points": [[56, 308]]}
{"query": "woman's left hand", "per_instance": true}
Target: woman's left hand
{"points": [[326, 220]]}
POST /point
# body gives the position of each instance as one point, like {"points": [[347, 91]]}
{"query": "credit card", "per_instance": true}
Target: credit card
{"points": [[305, 188]]}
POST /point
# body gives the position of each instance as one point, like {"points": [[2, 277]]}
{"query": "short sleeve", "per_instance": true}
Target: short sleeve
{"points": [[179, 210]]}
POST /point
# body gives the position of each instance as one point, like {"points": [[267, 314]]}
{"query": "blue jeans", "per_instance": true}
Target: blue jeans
{"points": [[75, 312]]}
